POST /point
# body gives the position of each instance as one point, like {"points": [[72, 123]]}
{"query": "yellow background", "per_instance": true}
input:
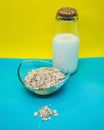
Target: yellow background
{"points": [[27, 27]]}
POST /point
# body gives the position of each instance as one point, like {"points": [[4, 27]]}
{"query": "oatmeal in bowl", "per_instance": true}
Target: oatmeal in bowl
{"points": [[41, 77]]}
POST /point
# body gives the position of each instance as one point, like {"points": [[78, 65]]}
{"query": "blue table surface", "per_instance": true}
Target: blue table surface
{"points": [[80, 102]]}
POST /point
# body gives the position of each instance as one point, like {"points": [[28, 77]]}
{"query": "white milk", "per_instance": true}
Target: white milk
{"points": [[65, 51]]}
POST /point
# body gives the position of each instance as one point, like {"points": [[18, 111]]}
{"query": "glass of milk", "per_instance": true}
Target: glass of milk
{"points": [[66, 40]]}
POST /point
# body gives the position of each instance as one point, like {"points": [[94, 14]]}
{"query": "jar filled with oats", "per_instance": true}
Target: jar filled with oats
{"points": [[66, 40]]}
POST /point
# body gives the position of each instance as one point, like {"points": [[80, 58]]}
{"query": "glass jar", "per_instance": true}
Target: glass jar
{"points": [[66, 40]]}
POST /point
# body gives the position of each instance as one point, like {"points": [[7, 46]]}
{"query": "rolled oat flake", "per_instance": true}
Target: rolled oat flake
{"points": [[46, 113], [43, 78]]}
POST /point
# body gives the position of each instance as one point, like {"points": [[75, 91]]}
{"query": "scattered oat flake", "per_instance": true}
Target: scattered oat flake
{"points": [[35, 114], [46, 113], [56, 114]]}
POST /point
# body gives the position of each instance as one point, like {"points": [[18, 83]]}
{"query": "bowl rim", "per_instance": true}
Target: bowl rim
{"points": [[29, 60]]}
